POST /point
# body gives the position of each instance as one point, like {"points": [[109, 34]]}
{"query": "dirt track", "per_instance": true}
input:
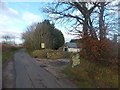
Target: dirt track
{"points": [[27, 72], [30, 74]]}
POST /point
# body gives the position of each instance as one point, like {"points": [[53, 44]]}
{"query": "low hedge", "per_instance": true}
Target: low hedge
{"points": [[51, 54]]}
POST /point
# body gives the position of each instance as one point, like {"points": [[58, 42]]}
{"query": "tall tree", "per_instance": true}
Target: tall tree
{"points": [[91, 17], [84, 9], [83, 17], [43, 32]]}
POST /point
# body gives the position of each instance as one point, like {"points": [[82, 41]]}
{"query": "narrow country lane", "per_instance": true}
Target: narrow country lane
{"points": [[29, 74]]}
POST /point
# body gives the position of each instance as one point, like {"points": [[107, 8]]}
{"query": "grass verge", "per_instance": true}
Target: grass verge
{"points": [[6, 55], [93, 75]]}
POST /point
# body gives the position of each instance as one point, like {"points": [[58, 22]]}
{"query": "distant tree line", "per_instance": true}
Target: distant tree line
{"points": [[43, 32], [8, 39]]}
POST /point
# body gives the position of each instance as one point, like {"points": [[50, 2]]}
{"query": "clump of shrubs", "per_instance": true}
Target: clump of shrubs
{"points": [[7, 48], [51, 54], [99, 50], [40, 53]]}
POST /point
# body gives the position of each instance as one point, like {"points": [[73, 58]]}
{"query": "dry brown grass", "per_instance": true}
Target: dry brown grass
{"points": [[51, 54], [93, 75]]}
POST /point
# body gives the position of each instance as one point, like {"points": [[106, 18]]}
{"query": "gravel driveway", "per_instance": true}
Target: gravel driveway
{"points": [[55, 67]]}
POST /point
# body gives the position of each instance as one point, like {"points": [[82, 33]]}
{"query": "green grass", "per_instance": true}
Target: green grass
{"points": [[8, 54], [93, 75]]}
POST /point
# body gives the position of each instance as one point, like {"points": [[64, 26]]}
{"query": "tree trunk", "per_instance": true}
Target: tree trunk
{"points": [[101, 21]]}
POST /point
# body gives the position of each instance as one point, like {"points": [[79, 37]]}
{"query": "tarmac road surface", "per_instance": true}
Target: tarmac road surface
{"points": [[29, 74]]}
